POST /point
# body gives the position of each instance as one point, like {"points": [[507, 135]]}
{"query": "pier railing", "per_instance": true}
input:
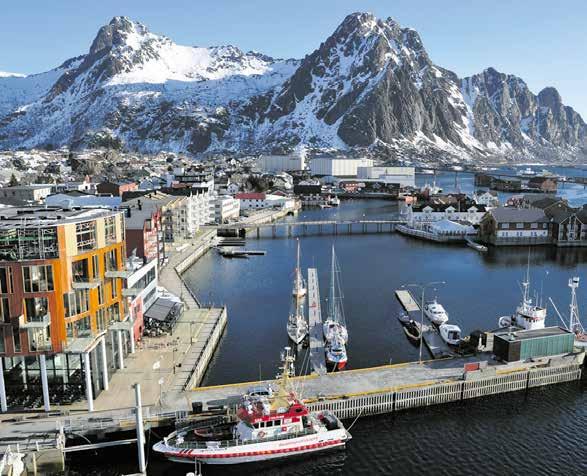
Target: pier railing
{"points": [[434, 394]]}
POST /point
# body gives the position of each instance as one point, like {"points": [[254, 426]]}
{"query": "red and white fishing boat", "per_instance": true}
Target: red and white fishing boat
{"points": [[334, 328], [268, 426]]}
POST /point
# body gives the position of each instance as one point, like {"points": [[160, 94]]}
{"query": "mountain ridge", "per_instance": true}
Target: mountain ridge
{"points": [[371, 85]]}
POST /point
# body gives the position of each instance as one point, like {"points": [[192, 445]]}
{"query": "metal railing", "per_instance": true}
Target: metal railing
{"points": [[233, 443]]}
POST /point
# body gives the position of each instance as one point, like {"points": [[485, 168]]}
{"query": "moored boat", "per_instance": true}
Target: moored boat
{"points": [[528, 316], [450, 333], [413, 331], [334, 327], [297, 326], [435, 311], [267, 428]]}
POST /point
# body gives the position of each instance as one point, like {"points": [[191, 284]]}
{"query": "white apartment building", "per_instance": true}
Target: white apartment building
{"points": [[404, 176], [226, 208], [258, 201], [140, 291], [436, 212], [338, 166]]}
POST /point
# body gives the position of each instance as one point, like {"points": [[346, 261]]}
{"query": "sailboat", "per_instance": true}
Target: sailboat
{"points": [[297, 326], [334, 327]]}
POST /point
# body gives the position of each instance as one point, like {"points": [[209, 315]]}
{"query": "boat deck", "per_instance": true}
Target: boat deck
{"points": [[316, 332], [434, 343]]}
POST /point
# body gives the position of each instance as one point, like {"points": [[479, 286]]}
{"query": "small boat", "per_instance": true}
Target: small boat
{"points": [[334, 201], [435, 312], [450, 333], [268, 426], [297, 326], [476, 246], [413, 330], [336, 356], [325, 205], [403, 317]]}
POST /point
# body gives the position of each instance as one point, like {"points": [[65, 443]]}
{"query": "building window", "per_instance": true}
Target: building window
{"points": [[83, 327], [113, 313], [96, 266], [6, 280], [40, 339], [110, 229], [4, 310], [112, 288], [36, 308], [504, 226], [110, 261], [101, 294], [80, 271], [37, 278], [16, 339], [2, 344], [76, 302], [102, 320], [519, 226], [86, 235]]}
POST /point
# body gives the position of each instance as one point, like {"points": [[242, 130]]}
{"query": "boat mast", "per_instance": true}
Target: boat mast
{"points": [[332, 304], [298, 280]]}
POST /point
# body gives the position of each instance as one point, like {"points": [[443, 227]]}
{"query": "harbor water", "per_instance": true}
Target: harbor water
{"points": [[536, 433]]}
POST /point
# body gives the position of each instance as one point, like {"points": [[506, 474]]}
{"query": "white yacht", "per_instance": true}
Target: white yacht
{"points": [[450, 333], [297, 326], [435, 312]]}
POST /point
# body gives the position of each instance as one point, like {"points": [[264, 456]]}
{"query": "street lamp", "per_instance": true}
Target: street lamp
{"points": [[422, 287]]}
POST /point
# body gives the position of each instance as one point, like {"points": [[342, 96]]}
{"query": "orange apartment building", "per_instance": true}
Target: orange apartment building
{"points": [[63, 320]]}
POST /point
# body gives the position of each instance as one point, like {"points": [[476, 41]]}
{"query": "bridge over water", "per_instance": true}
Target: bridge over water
{"points": [[291, 228]]}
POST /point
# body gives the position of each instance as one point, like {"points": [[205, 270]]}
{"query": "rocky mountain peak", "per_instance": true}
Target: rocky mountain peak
{"points": [[549, 97], [370, 84], [116, 33]]}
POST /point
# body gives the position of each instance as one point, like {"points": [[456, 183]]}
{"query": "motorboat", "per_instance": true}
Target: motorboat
{"points": [[435, 312], [403, 317], [336, 356], [450, 333], [266, 427], [413, 331]]}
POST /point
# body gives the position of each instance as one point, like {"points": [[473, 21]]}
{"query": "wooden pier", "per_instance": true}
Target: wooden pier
{"points": [[434, 343], [316, 332]]}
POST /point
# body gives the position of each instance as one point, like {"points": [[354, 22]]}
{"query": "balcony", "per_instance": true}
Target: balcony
{"points": [[85, 283], [131, 292], [38, 323], [122, 273]]}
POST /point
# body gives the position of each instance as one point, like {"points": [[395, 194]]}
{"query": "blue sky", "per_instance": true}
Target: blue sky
{"points": [[542, 41]]}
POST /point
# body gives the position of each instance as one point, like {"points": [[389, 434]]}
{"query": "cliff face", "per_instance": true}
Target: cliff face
{"points": [[370, 84]]}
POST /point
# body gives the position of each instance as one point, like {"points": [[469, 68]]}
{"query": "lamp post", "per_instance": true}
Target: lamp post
{"points": [[422, 287]]}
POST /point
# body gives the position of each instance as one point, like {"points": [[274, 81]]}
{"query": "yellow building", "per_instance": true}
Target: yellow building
{"points": [[62, 309]]}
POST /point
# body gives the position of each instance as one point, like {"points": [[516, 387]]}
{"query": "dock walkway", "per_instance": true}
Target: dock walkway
{"points": [[315, 322], [434, 343]]}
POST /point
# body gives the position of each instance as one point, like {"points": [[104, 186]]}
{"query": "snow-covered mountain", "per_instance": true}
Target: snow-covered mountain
{"points": [[371, 84]]}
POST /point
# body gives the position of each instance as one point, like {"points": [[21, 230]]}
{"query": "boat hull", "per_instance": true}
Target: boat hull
{"points": [[258, 452]]}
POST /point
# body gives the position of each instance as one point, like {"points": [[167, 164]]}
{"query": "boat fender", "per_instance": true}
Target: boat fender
{"points": [[261, 434]]}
